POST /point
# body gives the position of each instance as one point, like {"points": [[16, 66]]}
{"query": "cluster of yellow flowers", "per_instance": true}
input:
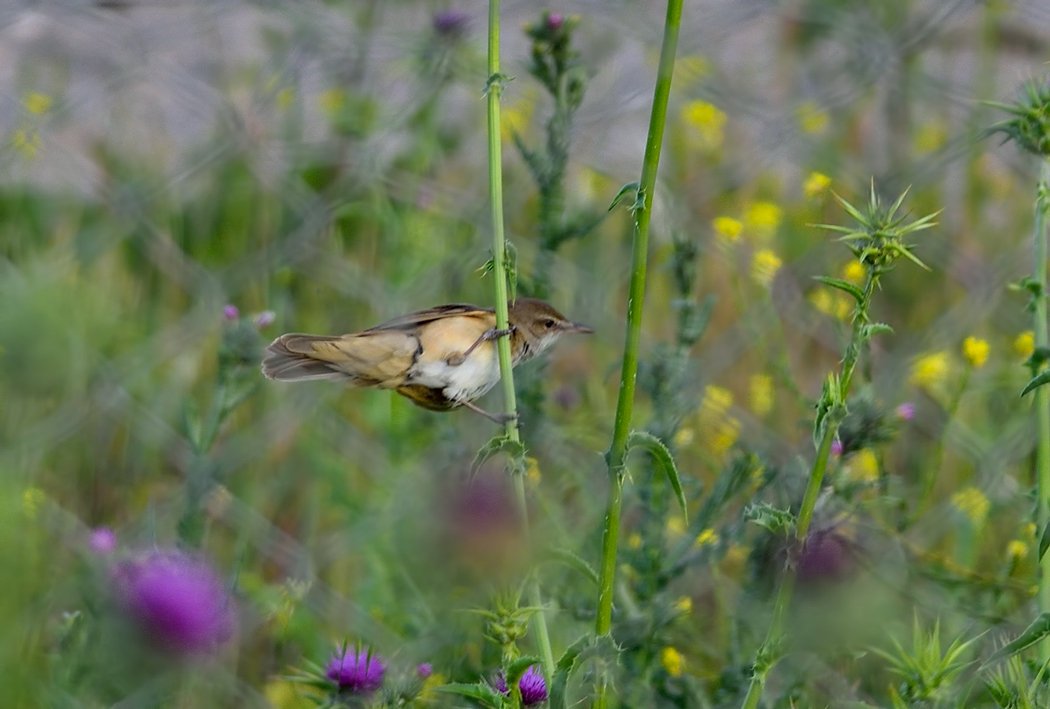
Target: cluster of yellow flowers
{"points": [[975, 351], [763, 395], [26, 139], [863, 467], [720, 429], [704, 124], [931, 370], [973, 503]]}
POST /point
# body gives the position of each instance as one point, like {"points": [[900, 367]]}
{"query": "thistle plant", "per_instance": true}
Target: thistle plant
{"points": [[878, 242], [1029, 127]]}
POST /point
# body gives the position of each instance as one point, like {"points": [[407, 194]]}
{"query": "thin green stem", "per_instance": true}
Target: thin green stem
{"points": [[628, 375], [768, 651], [1042, 394], [499, 261]]}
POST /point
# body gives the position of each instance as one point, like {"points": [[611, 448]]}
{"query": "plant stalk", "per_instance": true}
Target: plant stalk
{"points": [[809, 500], [625, 402], [499, 267], [1042, 394]]}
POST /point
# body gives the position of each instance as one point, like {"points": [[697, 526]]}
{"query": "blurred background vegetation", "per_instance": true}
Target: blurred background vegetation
{"points": [[325, 161]]}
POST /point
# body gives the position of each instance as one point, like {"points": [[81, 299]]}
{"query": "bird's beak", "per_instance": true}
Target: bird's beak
{"points": [[577, 327]]}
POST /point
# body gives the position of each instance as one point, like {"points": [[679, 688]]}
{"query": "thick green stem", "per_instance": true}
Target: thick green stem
{"points": [[628, 374], [1042, 394], [809, 500], [499, 261]]}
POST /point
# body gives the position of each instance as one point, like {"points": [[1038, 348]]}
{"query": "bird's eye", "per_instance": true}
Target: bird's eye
{"points": [[548, 323]]}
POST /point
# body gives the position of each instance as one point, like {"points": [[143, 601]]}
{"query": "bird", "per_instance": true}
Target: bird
{"points": [[440, 358]]}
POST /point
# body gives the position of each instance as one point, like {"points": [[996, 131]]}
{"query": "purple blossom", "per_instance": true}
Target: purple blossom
{"points": [[451, 23], [103, 541], [555, 20], [230, 312], [825, 557], [533, 688], [906, 411], [265, 319], [425, 670], [359, 672], [836, 447], [178, 601]]}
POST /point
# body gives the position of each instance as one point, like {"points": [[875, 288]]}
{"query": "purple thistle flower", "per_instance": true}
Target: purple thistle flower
{"points": [[103, 541], [533, 688], [555, 20], [425, 670], [179, 601], [906, 411], [836, 447], [451, 23], [359, 672], [825, 557], [265, 319], [230, 312]]}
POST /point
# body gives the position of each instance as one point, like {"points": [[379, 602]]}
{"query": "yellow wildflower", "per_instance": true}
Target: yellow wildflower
{"points": [[672, 660], [811, 118], [816, 184], [634, 541], [284, 694], [1029, 530], [26, 142], [929, 371], [764, 267], [854, 271], [973, 503], [32, 498], [516, 117], [727, 229], [427, 694], [717, 400], [1017, 549], [863, 467], [684, 437], [1024, 344], [684, 605], [720, 430], [930, 137], [37, 103], [532, 472], [762, 220], [975, 351], [704, 122], [675, 526], [332, 101], [706, 537], [762, 394]]}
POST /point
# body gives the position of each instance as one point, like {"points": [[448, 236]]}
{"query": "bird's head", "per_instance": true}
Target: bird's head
{"points": [[540, 324]]}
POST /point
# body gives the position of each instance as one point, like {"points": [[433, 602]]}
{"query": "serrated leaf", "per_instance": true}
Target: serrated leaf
{"points": [[563, 670], [1044, 541], [772, 518], [624, 191], [480, 692], [576, 562], [517, 669], [1039, 629], [497, 444], [657, 449], [876, 328], [1037, 381], [857, 293]]}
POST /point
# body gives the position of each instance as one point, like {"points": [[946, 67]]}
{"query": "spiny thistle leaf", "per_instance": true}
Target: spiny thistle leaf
{"points": [[1039, 629], [853, 290], [656, 448], [1037, 381]]}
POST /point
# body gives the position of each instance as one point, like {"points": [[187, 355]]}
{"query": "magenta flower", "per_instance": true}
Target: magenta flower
{"points": [[265, 319], [836, 447], [177, 600], [425, 670], [533, 688], [826, 556], [358, 672], [451, 23], [555, 20], [230, 312], [906, 411], [103, 541]]}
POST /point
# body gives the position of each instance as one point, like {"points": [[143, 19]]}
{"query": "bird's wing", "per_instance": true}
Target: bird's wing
{"points": [[372, 358], [452, 336], [421, 317]]}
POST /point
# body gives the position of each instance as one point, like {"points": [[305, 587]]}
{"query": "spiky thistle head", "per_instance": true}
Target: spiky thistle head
{"points": [[1029, 125]]}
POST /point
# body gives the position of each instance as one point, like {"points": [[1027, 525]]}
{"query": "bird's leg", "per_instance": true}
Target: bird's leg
{"points": [[490, 334], [501, 419]]}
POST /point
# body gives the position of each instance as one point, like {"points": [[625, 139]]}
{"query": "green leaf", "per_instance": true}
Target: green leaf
{"points": [[576, 562], [563, 670], [481, 693], [1037, 381], [772, 518], [1039, 629], [857, 293], [1044, 541], [629, 188], [656, 448], [498, 444], [876, 328], [517, 669]]}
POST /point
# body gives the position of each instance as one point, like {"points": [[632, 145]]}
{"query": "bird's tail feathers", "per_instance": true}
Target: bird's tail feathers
{"points": [[291, 358]]}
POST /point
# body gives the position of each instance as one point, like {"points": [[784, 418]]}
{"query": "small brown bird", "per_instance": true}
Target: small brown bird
{"points": [[441, 358]]}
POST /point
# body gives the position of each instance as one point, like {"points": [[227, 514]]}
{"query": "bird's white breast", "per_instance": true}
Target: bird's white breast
{"points": [[462, 382]]}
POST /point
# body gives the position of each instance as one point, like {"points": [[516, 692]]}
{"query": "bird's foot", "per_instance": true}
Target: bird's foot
{"points": [[491, 334], [501, 419]]}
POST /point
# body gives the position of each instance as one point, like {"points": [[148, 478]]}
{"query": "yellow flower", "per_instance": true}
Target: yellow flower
{"points": [[37, 103], [284, 694], [704, 123], [816, 184], [428, 694], [727, 229], [762, 220], [1024, 344], [1029, 530], [719, 430], [1017, 549], [32, 498], [930, 137], [672, 661], [764, 267], [684, 605], [854, 271], [762, 394], [532, 472], [26, 142], [705, 538], [929, 371], [716, 401], [332, 101], [516, 117], [863, 467], [684, 437], [634, 541], [691, 69], [973, 503], [975, 351], [811, 118]]}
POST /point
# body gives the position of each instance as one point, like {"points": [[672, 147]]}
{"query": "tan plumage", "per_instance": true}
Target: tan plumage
{"points": [[440, 358]]}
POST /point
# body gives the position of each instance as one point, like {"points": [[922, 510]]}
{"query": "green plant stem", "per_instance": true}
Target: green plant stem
{"points": [[809, 500], [1042, 394], [499, 261], [629, 371]]}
